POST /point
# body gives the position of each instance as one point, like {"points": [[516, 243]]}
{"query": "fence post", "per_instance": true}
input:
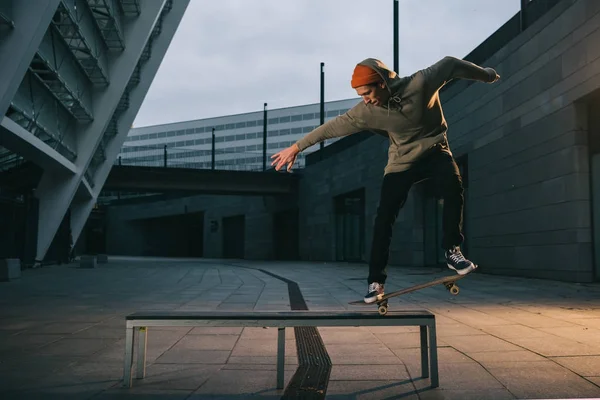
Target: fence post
{"points": [[265, 138], [212, 160]]}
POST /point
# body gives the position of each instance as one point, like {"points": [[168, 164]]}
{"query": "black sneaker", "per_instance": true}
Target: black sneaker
{"points": [[374, 292], [458, 262]]}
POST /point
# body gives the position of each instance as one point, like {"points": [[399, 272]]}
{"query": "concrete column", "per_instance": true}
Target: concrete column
{"points": [[31, 19], [81, 208], [56, 193]]}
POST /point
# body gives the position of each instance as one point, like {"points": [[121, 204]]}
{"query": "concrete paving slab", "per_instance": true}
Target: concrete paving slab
{"points": [[161, 376], [472, 318], [458, 376], [206, 342], [583, 334], [268, 333], [25, 343], [187, 356], [345, 336], [102, 332], [510, 330], [400, 340], [462, 394], [587, 322], [247, 384], [389, 329], [588, 366], [374, 350], [542, 380], [445, 330], [216, 330], [261, 347], [118, 393], [491, 357], [371, 390], [551, 346], [289, 367], [74, 347], [479, 343], [262, 360], [595, 380], [365, 372]]}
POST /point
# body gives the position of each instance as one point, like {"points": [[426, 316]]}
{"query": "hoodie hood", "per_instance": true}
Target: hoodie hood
{"points": [[393, 82]]}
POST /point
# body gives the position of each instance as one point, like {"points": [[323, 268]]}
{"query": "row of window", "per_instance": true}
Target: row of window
{"points": [[238, 125], [219, 139], [159, 155], [158, 161]]}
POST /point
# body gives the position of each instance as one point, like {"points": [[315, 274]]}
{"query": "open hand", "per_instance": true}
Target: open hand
{"points": [[286, 156], [493, 74]]}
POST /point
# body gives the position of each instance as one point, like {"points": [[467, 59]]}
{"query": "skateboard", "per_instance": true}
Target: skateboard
{"points": [[382, 304]]}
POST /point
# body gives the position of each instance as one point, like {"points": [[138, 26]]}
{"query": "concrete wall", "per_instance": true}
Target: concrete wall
{"points": [[127, 224], [360, 166], [525, 139]]}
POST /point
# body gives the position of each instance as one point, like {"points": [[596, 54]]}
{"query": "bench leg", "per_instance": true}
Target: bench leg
{"points": [[128, 362], [433, 356], [142, 333], [424, 352], [280, 356]]}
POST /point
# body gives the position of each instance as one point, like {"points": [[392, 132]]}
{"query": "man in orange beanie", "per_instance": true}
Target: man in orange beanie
{"points": [[409, 112]]}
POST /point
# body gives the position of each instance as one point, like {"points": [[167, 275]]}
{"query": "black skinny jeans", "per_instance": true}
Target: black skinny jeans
{"points": [[442, 170]]}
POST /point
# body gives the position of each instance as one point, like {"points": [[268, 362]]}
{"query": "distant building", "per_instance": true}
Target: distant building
{"points": [[238, 138]]}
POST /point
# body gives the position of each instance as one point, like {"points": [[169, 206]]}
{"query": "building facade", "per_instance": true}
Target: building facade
{"points": [[238, 138]]}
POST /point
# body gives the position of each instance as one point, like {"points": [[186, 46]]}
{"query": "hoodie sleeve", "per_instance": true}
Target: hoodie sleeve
{"points": [[342, 125], [448, 68]]}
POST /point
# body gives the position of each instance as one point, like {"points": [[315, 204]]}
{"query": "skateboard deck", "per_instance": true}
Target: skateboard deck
{"points": [[448, 281]]}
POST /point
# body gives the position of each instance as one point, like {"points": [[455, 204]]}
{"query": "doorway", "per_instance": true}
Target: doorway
{"points": [[350, 226], [285, 235], [234, 236]]}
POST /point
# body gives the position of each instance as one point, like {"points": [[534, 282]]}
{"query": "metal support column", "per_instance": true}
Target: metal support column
{"points": [[265, 138]]}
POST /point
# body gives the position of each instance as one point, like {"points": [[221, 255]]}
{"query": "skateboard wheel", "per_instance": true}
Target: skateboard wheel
{"points": [[454, 290], [382, 309]]}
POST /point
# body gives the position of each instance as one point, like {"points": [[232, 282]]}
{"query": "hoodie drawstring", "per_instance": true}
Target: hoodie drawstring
{"points": [[396, 99]]}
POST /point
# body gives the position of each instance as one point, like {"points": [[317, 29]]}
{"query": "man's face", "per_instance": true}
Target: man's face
{"points": [[376, 94]]}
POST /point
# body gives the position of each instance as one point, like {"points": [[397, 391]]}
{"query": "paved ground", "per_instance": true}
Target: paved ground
{"points": [[62, 334]]}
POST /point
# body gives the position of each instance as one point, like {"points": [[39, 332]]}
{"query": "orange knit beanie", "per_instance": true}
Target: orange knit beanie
{"points": [[364, 75]]}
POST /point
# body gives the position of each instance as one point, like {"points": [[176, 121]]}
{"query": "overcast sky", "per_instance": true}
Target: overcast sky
{"points": [[231, 56]]}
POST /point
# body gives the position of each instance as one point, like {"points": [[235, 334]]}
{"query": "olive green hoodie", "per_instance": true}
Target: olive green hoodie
{"points": [[412, 118]]}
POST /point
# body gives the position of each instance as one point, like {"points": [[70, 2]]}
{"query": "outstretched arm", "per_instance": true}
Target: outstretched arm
{"points": [[343, 125], [449, 68]]}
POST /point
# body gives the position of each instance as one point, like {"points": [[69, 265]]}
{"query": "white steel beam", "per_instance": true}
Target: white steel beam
{"points": [[55, 194], [31, 19], [20, 141], [80, 210]]}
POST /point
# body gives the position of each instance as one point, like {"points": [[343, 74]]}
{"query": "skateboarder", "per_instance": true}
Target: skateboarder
{"points": [[408, 111]]}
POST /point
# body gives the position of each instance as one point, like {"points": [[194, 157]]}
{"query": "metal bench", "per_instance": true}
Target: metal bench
{"points": [[137, 325]]}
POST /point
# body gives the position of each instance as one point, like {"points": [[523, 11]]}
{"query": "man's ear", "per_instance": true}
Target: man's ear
{"points": [[382, 85]]}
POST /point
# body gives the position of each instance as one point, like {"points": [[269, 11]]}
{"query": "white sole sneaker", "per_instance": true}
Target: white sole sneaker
{"points": [[373, 299], [463, 271]]}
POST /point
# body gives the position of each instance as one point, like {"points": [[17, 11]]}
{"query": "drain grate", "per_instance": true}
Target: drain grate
{"points": [[314, 365]]}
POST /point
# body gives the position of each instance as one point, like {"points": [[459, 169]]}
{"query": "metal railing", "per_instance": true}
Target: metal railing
{"points": [[220, 159]]}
